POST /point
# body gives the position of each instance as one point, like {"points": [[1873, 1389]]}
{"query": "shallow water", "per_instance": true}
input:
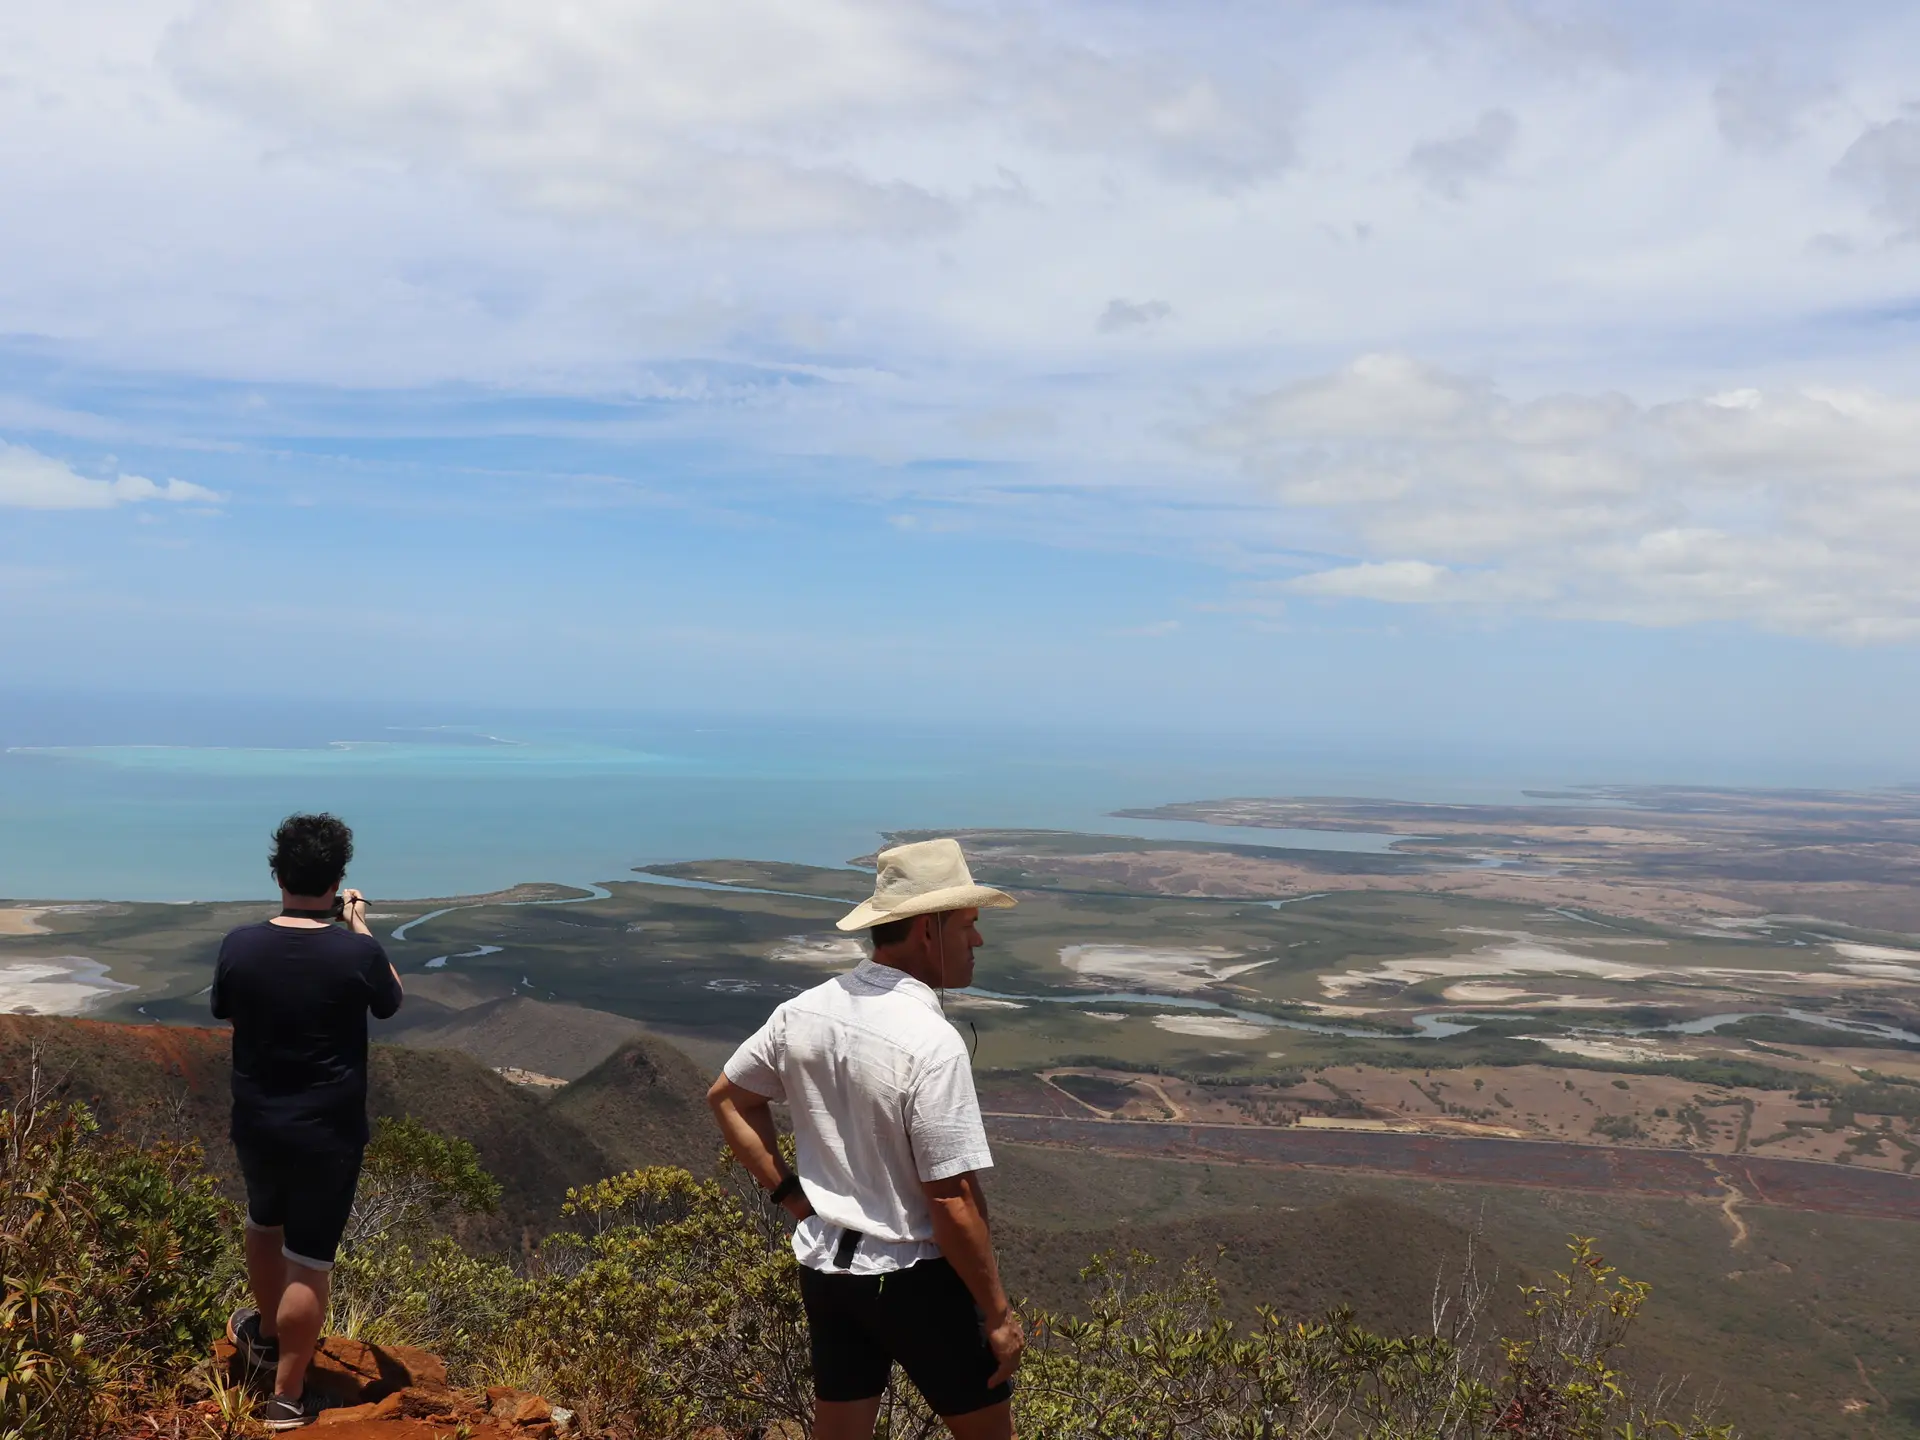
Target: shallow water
{"points": [[1706, 1024], [474, 808]]}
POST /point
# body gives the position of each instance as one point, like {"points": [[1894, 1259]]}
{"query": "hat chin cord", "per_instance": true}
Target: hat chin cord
{"points": [[939, 918]]}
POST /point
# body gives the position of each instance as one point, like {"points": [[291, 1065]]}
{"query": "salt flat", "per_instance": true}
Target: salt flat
{"points": [[59, 985], [22, 920], [1153, 967]]}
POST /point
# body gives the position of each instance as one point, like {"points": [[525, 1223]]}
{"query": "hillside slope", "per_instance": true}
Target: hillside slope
{"points": [[1798, 1318], [640, 1107], [644, 1105], [565, 1041]]}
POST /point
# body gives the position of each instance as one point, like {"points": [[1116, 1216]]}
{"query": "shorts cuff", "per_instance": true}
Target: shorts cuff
{"points": [[307, 1260], [253, 1224]]}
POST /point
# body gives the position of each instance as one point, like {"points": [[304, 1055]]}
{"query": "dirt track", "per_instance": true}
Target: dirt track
{"points": [[1542, 1164]]}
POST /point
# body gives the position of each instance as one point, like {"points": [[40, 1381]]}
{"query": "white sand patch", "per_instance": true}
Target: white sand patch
{"points": [[22, 920], [1321, 1007], [1212, 1027], [1882, 962], [960, 1000], [62, 985], [1623, 1049], [1530, 938], [839, 951], [1883, 970], [533, 1079], [1474, 992], [1855, 951], [1153, 967], [1532, 956], [1106, 1015], [1519, 958], [1227, 972]]}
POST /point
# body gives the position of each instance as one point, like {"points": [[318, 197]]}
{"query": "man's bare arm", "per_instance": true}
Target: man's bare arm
{"points": [[746, 1123], [959, 1209], [353, 909]]}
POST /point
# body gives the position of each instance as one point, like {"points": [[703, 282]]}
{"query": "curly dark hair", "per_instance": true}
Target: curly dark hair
{"points": [[310, 853]]}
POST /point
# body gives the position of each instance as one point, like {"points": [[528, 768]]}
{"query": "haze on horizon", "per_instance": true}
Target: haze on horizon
{"points": [[1536, 375]]}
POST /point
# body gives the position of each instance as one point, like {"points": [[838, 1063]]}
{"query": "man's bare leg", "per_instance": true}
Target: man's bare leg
{"points": [[303, 1310], [845, 1419], [993, 1423], [266, 1275]]}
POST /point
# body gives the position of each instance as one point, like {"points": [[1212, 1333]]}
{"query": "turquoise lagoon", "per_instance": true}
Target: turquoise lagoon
{"points": [[459, 808]]}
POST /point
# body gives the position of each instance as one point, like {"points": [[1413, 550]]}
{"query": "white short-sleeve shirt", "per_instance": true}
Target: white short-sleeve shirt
{"points": [[881, 1092]]}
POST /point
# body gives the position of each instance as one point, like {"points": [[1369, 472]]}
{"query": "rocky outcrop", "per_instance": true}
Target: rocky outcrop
{"points": [[396, 1392]]}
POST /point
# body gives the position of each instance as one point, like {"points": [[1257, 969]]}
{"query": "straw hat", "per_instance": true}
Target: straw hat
{"points": [[920, 879]]}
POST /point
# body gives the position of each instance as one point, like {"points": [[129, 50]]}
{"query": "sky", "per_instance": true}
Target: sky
{"points": [[1542, 376]]}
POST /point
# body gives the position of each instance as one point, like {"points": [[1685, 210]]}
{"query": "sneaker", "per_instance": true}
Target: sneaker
{"points": [[243, 1330], [280, 1413]]}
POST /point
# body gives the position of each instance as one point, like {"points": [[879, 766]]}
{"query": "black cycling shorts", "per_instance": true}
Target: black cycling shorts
{"points": [[922, 1316], [309, 1197]]}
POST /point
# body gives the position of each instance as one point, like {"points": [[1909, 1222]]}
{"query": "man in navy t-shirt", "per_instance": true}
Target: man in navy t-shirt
{"points": [[298, 990]]}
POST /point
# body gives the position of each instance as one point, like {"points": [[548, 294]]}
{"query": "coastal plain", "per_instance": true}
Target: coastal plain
{"points": [[1263, 969], [1617, 1011]]}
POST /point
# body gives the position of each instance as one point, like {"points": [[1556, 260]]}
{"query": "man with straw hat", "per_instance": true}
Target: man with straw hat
{"points": [[896, 1261]]}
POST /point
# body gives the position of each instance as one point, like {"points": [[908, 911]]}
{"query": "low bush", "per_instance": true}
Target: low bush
{"points": [[667, 1307], [396, 1279], [670, 1310], [115, 1258], [1156, 1361]]}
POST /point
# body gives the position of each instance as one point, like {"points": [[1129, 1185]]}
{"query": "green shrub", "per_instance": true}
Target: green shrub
{"points": [[1157, 1361], [1618, 1127], [115, 1258], [677, 1312], [670, 1309], [396, 1281]]}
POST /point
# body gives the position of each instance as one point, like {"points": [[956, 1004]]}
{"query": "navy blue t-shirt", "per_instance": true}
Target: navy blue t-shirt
{"points": [[299, 998]]}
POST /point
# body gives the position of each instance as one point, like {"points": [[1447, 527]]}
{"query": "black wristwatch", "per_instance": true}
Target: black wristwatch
{"points": [[780, 1192]]}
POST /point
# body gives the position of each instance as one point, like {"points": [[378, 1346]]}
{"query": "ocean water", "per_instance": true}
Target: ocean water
{"points": [[170, 807]]}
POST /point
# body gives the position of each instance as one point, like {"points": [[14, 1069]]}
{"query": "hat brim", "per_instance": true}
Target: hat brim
{"points": [[866, 914]]}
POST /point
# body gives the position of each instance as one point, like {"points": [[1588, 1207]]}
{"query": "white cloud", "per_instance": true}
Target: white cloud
{"points": [[1796, 511], [1127, 315], [561, 197], [1885, 163], [1391, 580], [1760, 108], [744, 116], [32, 481], [1447, 166]]}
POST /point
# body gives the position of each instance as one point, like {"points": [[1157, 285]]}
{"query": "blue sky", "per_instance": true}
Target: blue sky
{"points": [[1533, 377]]}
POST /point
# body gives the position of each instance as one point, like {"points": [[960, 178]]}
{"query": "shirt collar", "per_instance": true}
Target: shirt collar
{"points": [[886, 977]]}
